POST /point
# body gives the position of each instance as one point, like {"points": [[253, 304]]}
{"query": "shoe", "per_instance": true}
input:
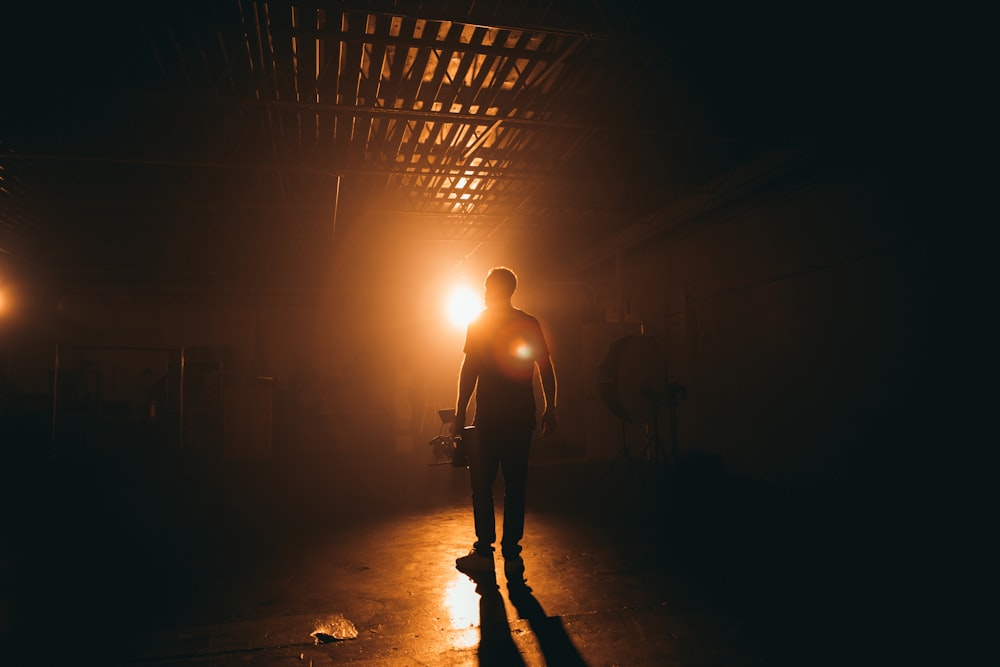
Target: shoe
{"points": [[513, 569], [475, 562]]}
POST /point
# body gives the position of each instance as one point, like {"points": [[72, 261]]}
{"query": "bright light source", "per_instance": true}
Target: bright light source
{"points": [[463, 305]]}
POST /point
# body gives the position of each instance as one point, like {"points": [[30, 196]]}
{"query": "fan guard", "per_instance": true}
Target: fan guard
{"points": [[632, 377]]}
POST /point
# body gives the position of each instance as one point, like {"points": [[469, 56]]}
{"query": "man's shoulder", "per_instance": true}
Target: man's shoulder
{"points": [[493, 317], [523, 315], [517, 319]]}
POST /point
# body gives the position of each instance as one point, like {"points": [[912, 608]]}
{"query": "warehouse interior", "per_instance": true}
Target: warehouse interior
{"points": [[228, 232]]}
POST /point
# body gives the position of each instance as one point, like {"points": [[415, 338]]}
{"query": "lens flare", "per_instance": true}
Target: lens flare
{"points": [[521, 350], [463, 305]]}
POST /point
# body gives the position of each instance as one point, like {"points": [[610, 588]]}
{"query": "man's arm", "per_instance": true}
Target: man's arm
{"points": [[466, 384], [547, 374]]}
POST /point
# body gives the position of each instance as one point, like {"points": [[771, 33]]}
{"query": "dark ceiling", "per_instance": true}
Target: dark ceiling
{"points": [[278, 142]]}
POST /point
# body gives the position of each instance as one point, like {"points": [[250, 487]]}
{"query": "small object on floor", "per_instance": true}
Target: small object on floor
{"points": [[335, 628]]}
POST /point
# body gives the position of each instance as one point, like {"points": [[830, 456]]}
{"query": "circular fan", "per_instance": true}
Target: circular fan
{"points": [[632, 377]]}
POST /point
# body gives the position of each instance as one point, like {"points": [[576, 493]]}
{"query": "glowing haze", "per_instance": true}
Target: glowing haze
{"points": [[462, 305]]}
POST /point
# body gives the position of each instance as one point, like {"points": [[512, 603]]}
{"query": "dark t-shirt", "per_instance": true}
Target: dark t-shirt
{"points": [[504, 344]]}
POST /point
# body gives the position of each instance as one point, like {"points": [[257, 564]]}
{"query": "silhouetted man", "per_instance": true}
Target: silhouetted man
{"points": [[503, 346]]}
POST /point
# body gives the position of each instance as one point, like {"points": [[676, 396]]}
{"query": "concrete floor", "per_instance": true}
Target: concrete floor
{"points": [[108, 562]]}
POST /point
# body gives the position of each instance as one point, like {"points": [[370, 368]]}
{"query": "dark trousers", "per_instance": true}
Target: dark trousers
{"points": [[493, 451]]}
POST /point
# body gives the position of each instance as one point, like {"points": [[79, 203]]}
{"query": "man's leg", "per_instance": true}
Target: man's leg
{"points": [[483, 466], [515, 478]]}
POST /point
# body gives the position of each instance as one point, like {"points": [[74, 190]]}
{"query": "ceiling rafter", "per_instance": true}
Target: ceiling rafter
{"points": [[483, 121]]}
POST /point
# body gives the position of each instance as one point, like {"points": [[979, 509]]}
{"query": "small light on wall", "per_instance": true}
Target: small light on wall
{"points": [[10, 302]]}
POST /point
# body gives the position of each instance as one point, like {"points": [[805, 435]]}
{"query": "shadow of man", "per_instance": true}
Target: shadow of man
{"points": [[557, 647], [496, 645]]}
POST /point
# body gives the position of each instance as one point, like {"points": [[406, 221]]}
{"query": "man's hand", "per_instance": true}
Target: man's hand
{"points": [[549, 421]]}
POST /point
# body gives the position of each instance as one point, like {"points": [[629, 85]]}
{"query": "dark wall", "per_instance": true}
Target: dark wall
{"points": [[345, 368], [797, 318]]}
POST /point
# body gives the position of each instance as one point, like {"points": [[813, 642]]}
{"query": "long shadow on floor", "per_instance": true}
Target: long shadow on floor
{"points": [[496, 645], [556, 645]]}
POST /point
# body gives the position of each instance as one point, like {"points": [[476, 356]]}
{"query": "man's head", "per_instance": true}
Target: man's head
{"points": [[500, 285]]}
